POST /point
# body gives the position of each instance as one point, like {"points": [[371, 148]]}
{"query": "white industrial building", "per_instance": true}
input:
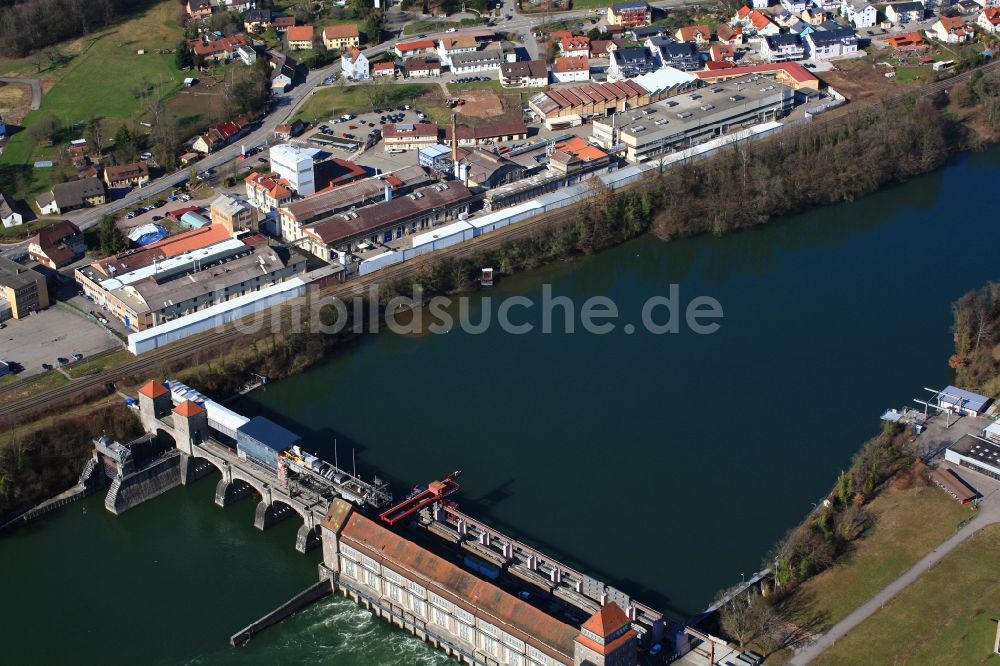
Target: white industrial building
{"points": [[295, 164]]}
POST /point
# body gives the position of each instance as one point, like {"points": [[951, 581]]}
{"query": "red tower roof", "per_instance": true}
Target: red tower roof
{"points": [[153, 389], [189, 409], [606, 621]]}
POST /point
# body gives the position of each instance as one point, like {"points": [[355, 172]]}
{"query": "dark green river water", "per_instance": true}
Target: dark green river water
{"points": [[665, 464]]}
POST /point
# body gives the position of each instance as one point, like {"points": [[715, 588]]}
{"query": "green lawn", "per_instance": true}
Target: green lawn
{"points": [[99, 363], [104, 76], [35, 384], [25, 230], [948, 616], [908, 524], [336, 100]]}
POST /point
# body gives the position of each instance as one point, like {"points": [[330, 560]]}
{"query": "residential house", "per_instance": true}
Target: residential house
{"points": [[987, 4], [135, 174], [408, 136], [8, 213], [267, 191], [381, 69], [257, 20], [71, 195], [678, 55], [218, 50], [699, 34], [286, 131], [794, 6], [281, 24], [198, 9], [722, 53], [968, 7], [728, 34], [568, 70], [826, 44], [952, 30], [860, 13], [643, 32], [246, 54], [760, 4], [630, 14], [418, 68], [815, 16], [415, 48], [283, 69], [904, 12], [530, 74], [989, 20], [220, 135], [754, 22], [354, 64], [627, 63], [487, 60], [912, 42], [602, 48], [300, 37], [455, 44], [341, 37], [574, 47], [58, 244], [782, 48]]}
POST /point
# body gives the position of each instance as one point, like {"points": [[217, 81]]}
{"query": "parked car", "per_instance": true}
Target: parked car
{"points": [[146, 156], [157, 218], [77, 356]]}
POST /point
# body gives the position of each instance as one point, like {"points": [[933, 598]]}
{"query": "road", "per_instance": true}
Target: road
{"points": [[36, 90], [989, 514]]}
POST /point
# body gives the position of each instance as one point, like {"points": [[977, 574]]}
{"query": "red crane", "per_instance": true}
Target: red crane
{"points": [[435, 491]]}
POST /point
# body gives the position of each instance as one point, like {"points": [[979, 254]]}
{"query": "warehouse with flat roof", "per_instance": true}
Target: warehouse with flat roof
{"points": [[685, 120]]}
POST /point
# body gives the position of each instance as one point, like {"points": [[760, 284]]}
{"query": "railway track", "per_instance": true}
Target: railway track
{"points": [[358, 286]]}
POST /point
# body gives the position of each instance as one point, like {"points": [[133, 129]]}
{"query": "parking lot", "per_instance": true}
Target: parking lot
{"points": [[158, 215], [47, 336]]}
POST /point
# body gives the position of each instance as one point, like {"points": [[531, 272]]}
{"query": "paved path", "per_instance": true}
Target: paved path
{"points": [[36, 90], [989, 514]]}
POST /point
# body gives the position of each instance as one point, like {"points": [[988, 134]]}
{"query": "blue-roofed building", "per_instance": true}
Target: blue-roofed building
{"points": [[261, 440], [962, 401]]}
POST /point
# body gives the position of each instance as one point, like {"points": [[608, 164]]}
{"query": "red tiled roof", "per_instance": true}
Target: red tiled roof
{"points": [[495, 605], [571, 64], [300, 33], [383, 66], [340, 31], [418, 45], [606, 621], [153, 389], [189, 409]]}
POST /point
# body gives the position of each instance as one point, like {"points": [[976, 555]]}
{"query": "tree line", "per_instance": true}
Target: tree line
{"points": [[35, 24]]}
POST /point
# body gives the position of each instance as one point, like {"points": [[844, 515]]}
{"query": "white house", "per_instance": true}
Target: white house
{"points": [[904, 12], [860, 13], [794, 6], [574, 47], [8, 214], [989, 20], [952, 30], [826, 44], [570, 70], [987, 4], [354, 65], [782, 48], [760, 4], [454, 45]]}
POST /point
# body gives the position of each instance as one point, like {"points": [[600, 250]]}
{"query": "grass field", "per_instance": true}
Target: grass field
{"points": [[909, 523], [948, 616], [103, 76], [99, 364], [336, 100], [25, 230]]}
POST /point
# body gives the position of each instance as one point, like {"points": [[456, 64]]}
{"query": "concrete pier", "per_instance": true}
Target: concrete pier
{"points": [[308, 596]]}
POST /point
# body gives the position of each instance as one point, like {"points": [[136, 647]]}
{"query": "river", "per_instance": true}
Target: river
{"points": [[665, 464]]}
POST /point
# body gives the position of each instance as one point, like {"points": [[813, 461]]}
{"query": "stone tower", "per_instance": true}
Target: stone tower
{"points": [[154, 404], [190, 425]]}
